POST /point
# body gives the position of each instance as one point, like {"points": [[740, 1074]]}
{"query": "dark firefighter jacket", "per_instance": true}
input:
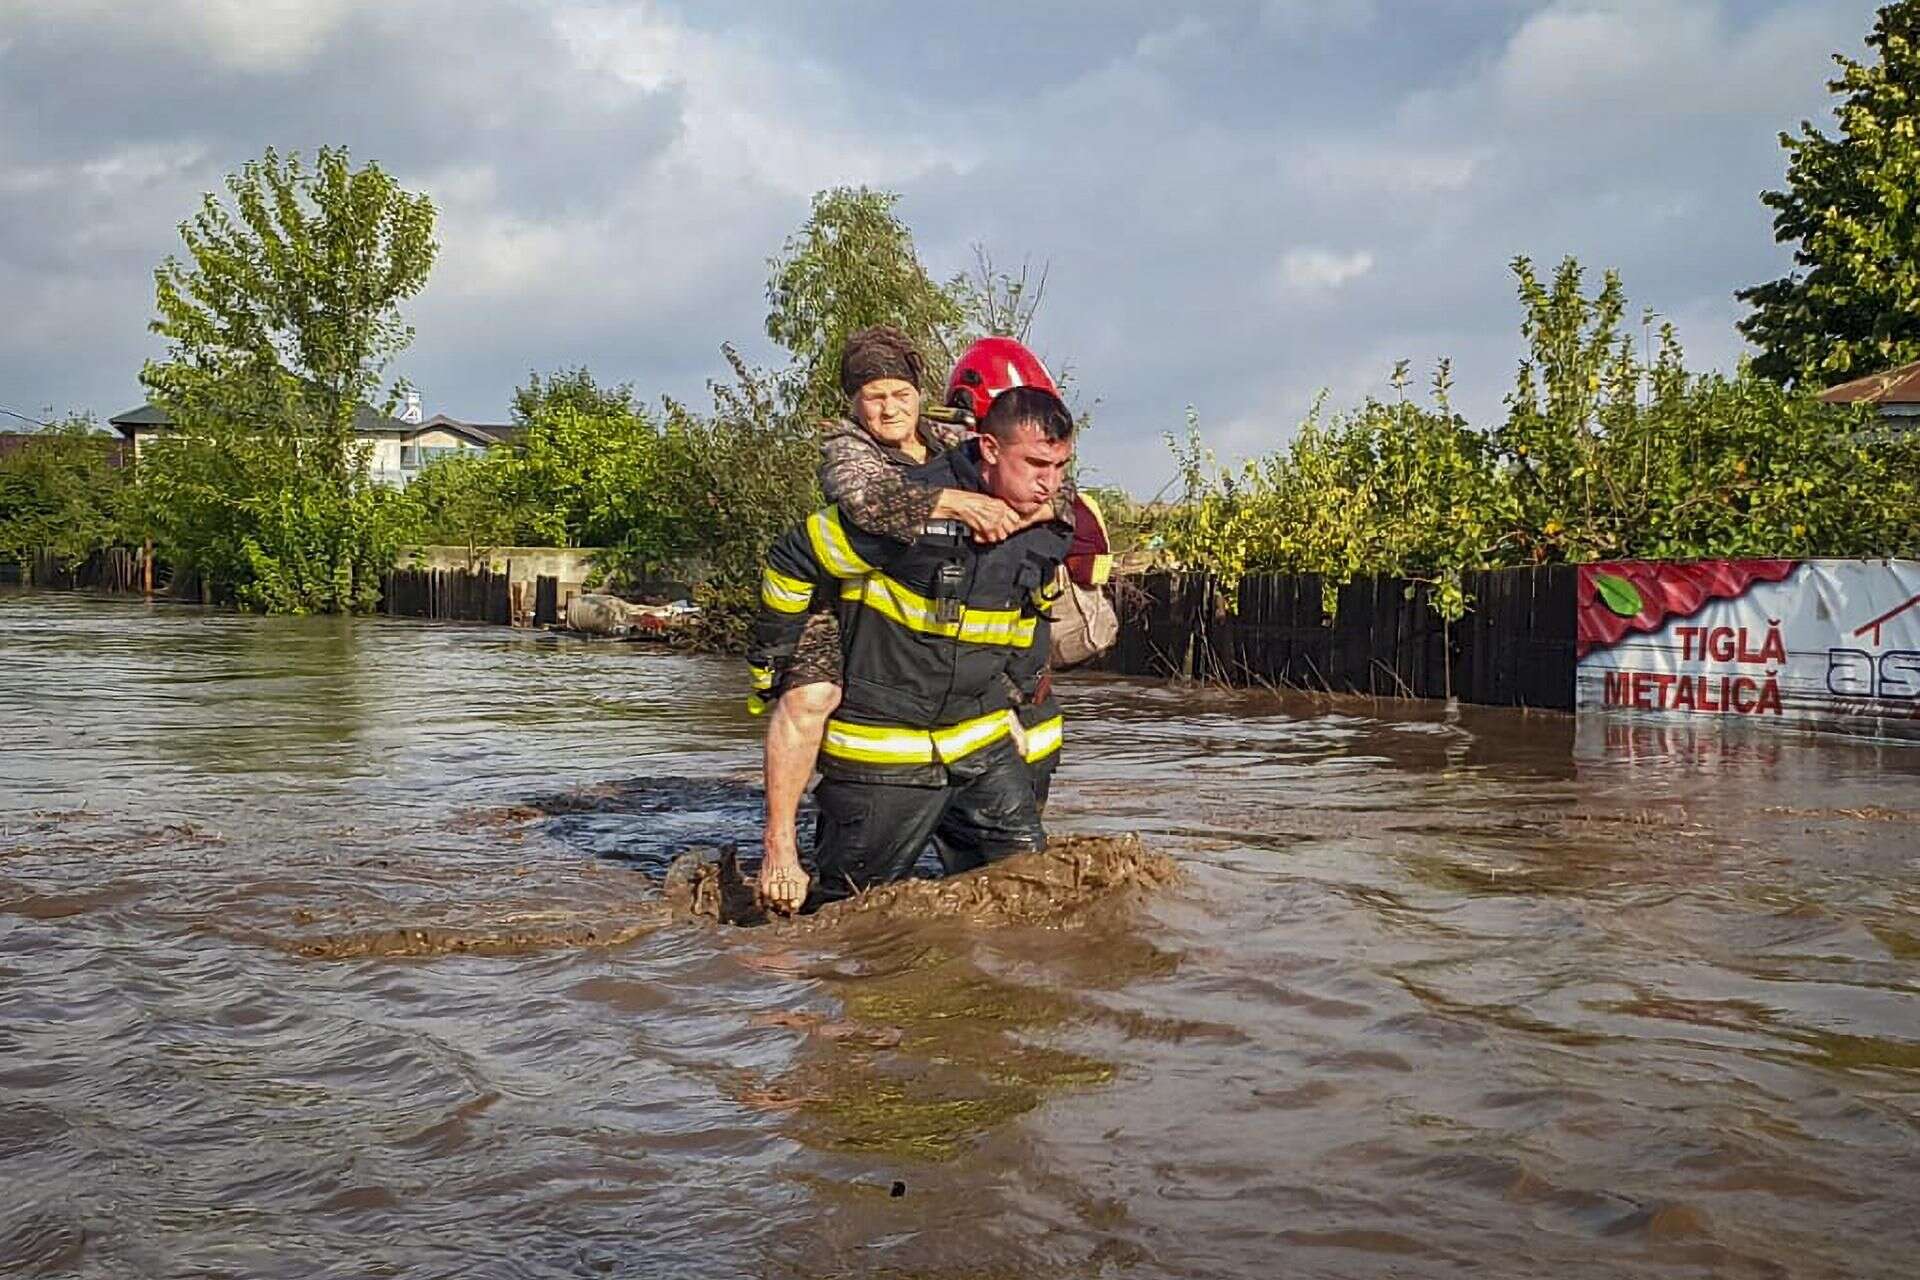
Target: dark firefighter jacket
{"points": [[939, 637]]}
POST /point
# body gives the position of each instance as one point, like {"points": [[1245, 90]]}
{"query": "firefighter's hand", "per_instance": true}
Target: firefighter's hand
{"points": [[986, 517], [783, 883]]}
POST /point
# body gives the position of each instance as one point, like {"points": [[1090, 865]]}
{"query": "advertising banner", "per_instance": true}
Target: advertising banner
{"points": [[1827, 644]]}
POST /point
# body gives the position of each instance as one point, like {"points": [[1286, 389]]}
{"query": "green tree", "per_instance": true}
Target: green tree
{"points": [[583, 471], [854, 264], [729, 483], [465, 499], [1852, 209], [280, 323], [62, 494], [574, 388]]}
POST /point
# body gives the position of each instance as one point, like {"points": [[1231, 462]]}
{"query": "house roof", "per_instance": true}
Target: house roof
{"points": [[147, 415], [487, 433], [367, 421], [1893, 386]]}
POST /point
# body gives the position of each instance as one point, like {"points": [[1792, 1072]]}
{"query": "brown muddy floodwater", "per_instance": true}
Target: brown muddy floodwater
{"points": [[344, 948]]}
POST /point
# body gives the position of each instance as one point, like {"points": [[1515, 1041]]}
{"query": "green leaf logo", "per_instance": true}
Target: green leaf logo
{"points": [[1618, 594]]}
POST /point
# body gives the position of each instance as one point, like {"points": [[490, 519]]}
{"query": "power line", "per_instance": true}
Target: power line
{"points": [[23, 417]]}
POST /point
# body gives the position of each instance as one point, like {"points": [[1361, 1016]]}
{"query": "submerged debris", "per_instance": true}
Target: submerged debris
{"points": [[510, 935]]}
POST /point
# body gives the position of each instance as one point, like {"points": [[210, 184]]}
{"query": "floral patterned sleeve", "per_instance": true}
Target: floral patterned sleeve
{"points": [[869, 485]]}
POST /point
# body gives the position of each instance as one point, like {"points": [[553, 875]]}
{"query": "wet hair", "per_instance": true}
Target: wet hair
{"points": [[879, 352], [1017, 406]]}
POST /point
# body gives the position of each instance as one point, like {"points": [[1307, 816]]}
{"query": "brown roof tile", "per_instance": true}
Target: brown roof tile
{"points": [[1893, 386]]}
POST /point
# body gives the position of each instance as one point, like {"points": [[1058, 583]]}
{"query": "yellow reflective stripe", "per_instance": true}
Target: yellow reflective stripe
{"points": [[969, 736], [1103, 563], [914, 611], [828, 538], [1043, 739], [996, 627], [891, 599], [757, 704], [873, 744], [762, 678], [878, 744], [783, 594]]}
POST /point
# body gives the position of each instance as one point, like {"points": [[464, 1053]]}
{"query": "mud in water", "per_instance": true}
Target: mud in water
{"points": [[360, 948], [1073, 877]]}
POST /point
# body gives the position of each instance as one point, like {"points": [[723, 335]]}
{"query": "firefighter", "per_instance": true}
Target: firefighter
{"points": [[940, 639], [865, 457], [985, 370]]}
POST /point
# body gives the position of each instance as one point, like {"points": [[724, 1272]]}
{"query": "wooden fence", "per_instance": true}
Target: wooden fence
{"points": [[118, 569], [451, 595], [1514, 648], [479, 595]]}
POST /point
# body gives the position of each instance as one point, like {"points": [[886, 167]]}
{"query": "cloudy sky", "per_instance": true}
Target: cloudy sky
{"points": [[1243, 203]]}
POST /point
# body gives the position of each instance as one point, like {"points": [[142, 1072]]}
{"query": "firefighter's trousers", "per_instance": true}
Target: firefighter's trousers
{"points": [[873, 832]]}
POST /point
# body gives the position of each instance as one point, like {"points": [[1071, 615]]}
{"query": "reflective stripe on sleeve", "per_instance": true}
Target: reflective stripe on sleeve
{"points": [[1043, 739], [836, 555], [784, 594]]}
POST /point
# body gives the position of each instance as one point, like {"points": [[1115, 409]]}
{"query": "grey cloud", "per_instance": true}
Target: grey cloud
{"points": [[613, 202]]}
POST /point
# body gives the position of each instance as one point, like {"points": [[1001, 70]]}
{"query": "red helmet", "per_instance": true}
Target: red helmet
{"points": [[990, 366]]}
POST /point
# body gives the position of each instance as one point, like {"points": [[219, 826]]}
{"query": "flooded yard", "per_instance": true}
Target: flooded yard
{"points": [[348, 948]]}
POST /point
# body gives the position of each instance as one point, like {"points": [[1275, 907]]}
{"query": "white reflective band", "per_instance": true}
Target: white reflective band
{"points": [[830, 546], [1043, 739], [784, 594]]}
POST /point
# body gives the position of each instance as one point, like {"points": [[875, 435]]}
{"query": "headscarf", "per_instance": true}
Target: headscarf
{"points": [[878, 352]]}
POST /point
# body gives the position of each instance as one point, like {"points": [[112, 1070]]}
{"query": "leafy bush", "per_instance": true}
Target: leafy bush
{"points": [[1601, 455], [61, 494]]}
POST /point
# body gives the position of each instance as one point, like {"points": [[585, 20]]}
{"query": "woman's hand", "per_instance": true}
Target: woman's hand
{"points": [[988, 518]]}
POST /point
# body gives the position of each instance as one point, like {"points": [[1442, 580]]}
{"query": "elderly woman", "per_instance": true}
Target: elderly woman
{"points": [[863, 470]]}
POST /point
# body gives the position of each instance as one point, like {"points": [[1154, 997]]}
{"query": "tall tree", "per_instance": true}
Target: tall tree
{"points": [[853, 264], [1852, 206], [280, 324]]}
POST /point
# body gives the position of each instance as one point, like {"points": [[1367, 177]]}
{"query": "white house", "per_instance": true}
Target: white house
{"points": [[400, 446]]}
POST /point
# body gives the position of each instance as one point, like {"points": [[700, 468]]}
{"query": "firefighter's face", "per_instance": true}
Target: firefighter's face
{"points": [[1026, 471], [888, 408]]}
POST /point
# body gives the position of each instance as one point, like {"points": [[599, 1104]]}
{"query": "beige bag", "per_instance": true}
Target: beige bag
{"points": [[1085, 623]]}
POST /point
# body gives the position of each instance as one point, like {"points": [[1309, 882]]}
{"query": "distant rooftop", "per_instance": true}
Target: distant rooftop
{"points": [[1893, 387], [368, 421]]}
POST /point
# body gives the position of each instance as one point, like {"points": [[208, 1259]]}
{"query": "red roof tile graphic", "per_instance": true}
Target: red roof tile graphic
{"points": [[1665, 590]]}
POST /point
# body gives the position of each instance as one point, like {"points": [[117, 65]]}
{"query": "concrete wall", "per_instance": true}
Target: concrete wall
{"points": [[571, 565]]}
